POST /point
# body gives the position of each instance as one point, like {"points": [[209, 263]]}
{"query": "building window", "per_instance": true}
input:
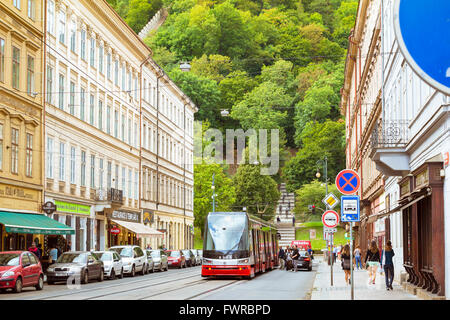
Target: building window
{"points": [[116, 72], [61, 92], [73, 36], [129, 131], [100, 59], [92, 55], [100, 115], [29, 155], [31, 9], [30, 75], [62, 27], [72, 164], [109, 175], [16, 4], [1, 146], [83, 44], [100, 177], [92, 108], [129, 183], [108, 119], [16, 68], [135, 88], [62, 158], [108, 66], [51, 17], [136, 180], [117, 177], [92, 171], [2, 60], [82, 102], [135, 135], [14, 150], [49, 84], [123, 127], [123, 78], [116, 123], [123, 182], [83, 168], [72, 98], [49, 158]]}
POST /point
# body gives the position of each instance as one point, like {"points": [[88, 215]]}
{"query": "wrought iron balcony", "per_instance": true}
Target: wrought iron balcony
{"points": [[111, 194], [388, 143]]}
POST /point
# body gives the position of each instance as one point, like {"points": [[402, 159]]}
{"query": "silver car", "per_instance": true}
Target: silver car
{"points": [[134, 259], [112, 263], [159, 259], [198, 257]]}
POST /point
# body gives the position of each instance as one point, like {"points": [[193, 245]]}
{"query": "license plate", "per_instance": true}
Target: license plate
{"points": [[60, 274], [170, 262]]}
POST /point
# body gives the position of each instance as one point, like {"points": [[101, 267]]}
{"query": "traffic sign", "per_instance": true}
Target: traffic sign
{"points": [[330, 219], [420, 31], [350, 208], [331, 200], [329, 230], [348, 181]]}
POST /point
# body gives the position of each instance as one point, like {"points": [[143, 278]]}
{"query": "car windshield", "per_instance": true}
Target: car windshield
{"points": [[126, 252], [303, 253], [186, 253], [72, 258], [154, 254], [104, 256], [9, 259], [174, 254], [226, 235]]}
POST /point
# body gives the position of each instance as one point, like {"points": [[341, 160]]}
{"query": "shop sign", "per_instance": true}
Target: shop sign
{"points": [[75, 208], [17, 193], [125, 216], [148, 216], [49, 207], [115, 230]]}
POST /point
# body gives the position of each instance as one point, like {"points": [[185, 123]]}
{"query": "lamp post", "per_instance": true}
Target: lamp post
{"points": [[324, 162]]}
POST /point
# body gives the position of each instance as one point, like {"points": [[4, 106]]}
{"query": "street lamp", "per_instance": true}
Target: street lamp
{"points": [[224, 113], [185, 66]]}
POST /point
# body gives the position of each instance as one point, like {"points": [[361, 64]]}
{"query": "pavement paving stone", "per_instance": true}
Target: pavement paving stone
{"points": [[322, 289]]}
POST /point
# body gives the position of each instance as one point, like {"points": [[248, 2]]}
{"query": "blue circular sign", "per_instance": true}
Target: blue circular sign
{"points": [[422, 30], [348, 181]]}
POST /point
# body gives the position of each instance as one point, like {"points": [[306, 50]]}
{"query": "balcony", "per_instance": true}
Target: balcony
{"points": [[109, 195], [388, 142]]}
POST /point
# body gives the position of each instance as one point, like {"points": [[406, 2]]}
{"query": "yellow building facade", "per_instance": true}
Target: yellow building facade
{"points": [[21, 112]]}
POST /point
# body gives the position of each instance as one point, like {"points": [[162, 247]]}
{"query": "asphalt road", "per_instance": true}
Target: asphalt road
{"points": [[184, 284]]}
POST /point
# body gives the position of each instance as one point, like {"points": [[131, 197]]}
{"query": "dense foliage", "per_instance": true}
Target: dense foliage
{"points": [[274, 64]]}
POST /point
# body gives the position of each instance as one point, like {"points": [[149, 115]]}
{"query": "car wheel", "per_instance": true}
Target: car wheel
{"points": [[85, 279], [40, 284], [133, 271], [101, 276], [144, 270], [112, 276], [19, 285], [167, 267], [152, 269], [121, 274]]}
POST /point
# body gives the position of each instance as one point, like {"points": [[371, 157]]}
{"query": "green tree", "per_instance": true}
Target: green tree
{"points": [[224, 190], [258, 193], [312, 194], [318, 140], [214, 67], [140, 12]]}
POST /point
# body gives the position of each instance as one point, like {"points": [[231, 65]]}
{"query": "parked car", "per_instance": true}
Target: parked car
{"points": [[304, 260], [82, 264], [198, 258], [134, 259], [19, 269], [190, 258], [176, 258], [159, 259], [112, 263]]}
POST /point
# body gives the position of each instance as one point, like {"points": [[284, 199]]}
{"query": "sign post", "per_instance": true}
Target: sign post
{"points": [[330, 219]]}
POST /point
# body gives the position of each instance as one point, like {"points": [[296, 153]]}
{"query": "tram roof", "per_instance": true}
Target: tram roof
{"points": [[251, 217]]}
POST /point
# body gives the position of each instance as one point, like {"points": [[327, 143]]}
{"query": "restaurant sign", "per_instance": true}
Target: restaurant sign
{"points": [[125, 216]]}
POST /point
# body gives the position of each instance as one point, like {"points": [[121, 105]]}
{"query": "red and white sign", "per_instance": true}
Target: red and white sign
{"points": [[330, 219], [348, 181], [301, 244], [115, 230], [446, 158]]}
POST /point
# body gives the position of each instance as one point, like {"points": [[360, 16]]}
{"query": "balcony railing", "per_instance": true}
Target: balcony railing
{"points": [[390, 134], [111, 194]]}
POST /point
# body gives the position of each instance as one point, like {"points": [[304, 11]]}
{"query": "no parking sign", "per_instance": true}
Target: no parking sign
{"points": [[348, 181]]}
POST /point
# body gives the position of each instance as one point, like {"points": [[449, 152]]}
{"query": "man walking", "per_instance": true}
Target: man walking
{"points": [[281, 257], [357, 254], [295, 255]]}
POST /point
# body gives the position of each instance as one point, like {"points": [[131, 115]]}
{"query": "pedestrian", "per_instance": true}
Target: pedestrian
{"points": [[53, 254], [372, 261], [295, 256], [69, 245], [346, 262], [35, 250], [288, 259], [388, 264], [335, 252], [310, 251], [281, 257], [357, 254]]}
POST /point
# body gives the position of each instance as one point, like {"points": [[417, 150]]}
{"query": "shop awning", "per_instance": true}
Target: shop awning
{"points": [[33, 223], [142, 231]]}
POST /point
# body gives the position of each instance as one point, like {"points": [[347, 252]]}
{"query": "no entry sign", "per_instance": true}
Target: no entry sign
{"points": [[330, 219], [348, 181]]}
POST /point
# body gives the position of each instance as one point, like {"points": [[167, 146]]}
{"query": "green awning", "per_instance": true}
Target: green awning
{"points": [[33, 223]]}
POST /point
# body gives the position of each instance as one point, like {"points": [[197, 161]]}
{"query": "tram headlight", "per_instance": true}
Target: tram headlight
{"points": [[206, 261], [243, 261]]}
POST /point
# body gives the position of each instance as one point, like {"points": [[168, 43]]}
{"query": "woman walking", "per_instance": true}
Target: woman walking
{"points": [[372, 261], [357, 255], [388, 265], [346, 262]]}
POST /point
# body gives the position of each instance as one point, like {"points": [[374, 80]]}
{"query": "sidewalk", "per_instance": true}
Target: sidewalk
{"points": [[322, 289]]}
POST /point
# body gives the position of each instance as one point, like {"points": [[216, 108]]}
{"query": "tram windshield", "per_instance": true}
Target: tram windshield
{"points": [[226, 236]]}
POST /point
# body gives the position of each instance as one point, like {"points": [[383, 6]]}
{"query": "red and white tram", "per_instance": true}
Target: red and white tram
{"points": [[237, 244]]}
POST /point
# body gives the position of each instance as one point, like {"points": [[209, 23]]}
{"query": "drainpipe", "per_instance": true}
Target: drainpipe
{"points": [[44, 93]]}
